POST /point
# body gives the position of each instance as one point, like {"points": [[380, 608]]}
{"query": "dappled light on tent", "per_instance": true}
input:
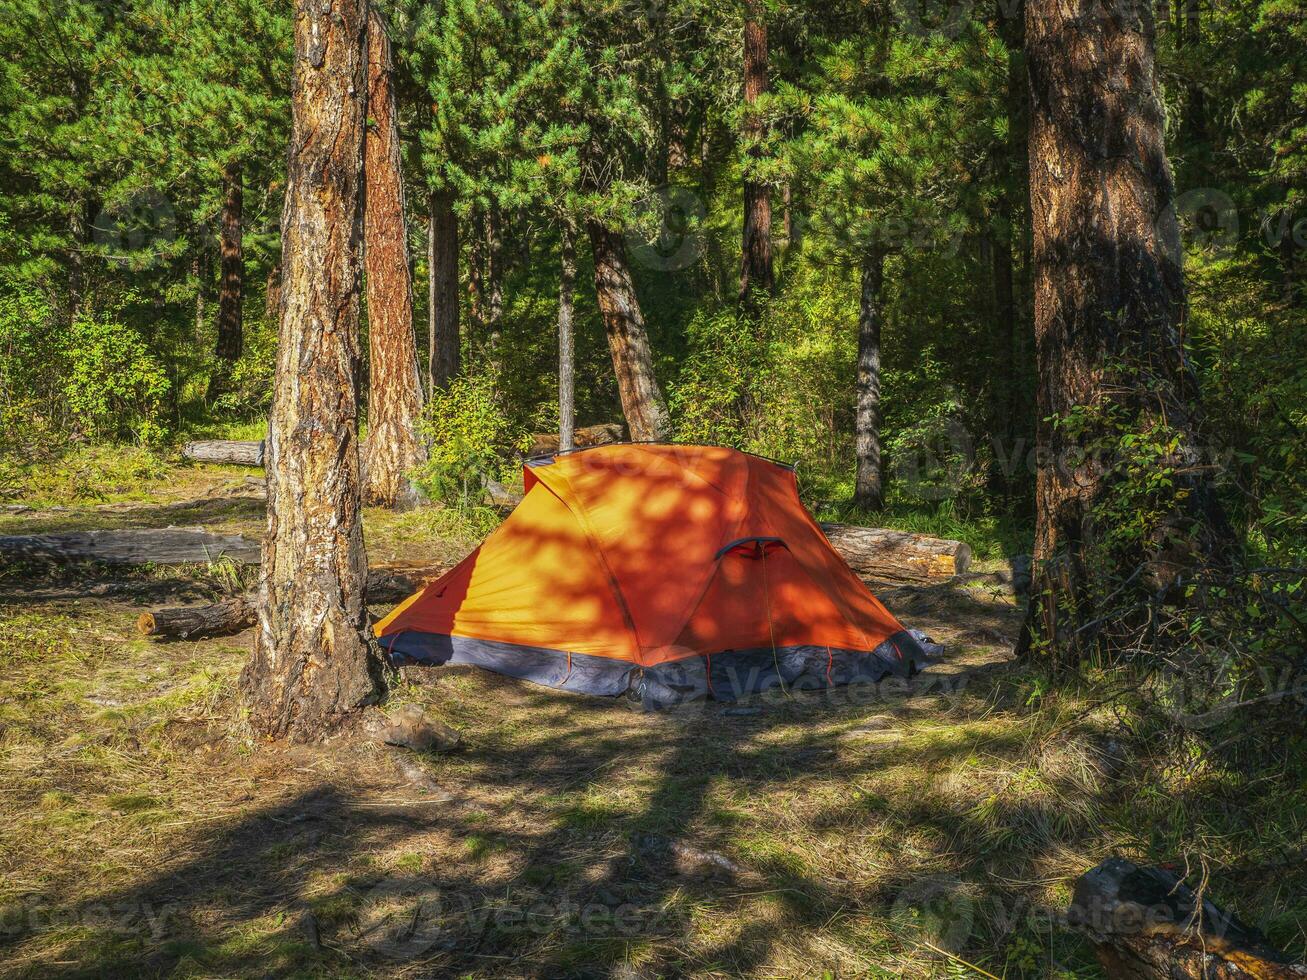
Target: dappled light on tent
{"points": [[674, 571]]}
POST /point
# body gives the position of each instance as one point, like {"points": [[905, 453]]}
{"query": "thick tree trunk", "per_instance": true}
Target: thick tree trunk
{"points": [[313, 664], [442, 290], [1109, 309], [756, 263], [392, 447], [628, 341], [566, 338], [868, 492]]}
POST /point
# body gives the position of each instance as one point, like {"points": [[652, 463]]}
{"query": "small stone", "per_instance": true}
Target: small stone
{"points": [[410, 728], [417, 776]]}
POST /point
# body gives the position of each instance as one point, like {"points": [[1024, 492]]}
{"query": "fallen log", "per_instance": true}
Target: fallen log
{"points": [[133, 546], [1146, 924], [385, 585], [232, 451], [897, 555], [543, 443]]}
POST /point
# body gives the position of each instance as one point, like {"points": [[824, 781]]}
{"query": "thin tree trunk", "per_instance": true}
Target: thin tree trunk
{"points": [[756, 262], [476, 290], [272, 293], [231, 334], [628, 340], [392, 448], [868, 491], [229, 322], [313, 664], [1195, 117], [493, 281], [200, 270], [1288, 261], [1109, 310], [566, 339], [442, 290]]}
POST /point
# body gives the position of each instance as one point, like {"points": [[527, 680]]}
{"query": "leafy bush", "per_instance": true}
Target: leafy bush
{"points": [[248, 389], [114, 388], [94, 379], [471, 439]]}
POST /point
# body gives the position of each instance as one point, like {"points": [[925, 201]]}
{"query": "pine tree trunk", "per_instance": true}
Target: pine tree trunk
{"points": [[272, 293], [756, 264], [200, 271], [231, 337], [442, 290], [313, 665], [392, 448], [868, 492], [493, 281], [1109, 310], [567, 339], [229, 322], [628, 341]]}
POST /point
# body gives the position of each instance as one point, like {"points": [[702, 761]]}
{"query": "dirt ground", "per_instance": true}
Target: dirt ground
{"points": [[914, 829]]}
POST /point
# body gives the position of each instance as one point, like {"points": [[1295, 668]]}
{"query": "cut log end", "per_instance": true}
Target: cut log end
{"points": [[145, 624]]}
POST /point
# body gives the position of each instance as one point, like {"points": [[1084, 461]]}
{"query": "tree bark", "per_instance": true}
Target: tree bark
{"points": [[868, 491], [231, 334], [314, 665], [493, 281], [1109, 310], [756, 263], [132, 546], [566, 339], [240, 612], [442, 290], [897, 555], [628, 340], [1147, 924], [235, 452], [200, 270], [392, 447]]}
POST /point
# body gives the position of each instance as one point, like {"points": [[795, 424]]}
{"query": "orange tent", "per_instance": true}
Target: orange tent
{"points": [[675, 571]]}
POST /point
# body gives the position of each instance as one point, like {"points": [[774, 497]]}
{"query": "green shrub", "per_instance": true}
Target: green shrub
{"points": [[471, 439], [94, 379]]}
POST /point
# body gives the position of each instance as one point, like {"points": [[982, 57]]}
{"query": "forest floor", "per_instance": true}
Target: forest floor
{"points": [[934, 829]]}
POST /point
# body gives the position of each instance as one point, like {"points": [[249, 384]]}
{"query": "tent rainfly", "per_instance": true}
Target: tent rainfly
{"points": [[676, 572]]}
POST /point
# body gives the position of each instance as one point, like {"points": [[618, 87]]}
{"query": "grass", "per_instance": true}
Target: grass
{"points": [[933, 834]]}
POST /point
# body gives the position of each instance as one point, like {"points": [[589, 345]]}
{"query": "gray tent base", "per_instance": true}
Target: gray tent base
{"points": [[725, 676]]}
